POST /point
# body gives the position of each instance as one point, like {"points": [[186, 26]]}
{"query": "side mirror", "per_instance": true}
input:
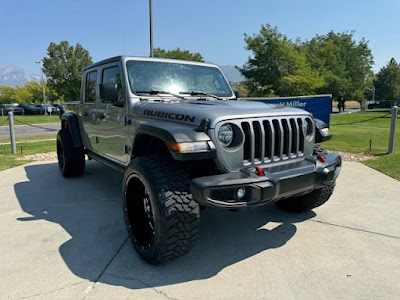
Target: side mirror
{"points": [[236, 92], [322, 132], [109, 93]]}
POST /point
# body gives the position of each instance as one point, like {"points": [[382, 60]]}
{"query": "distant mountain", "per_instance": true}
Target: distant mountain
{"points": [[13, 76], [231, 73]]}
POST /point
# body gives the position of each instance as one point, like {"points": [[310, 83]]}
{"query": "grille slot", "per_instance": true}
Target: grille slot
{"points": [[247, 141], [286, 137], [277, 138], [270, 140], [301, 135], [257, 141], [295, 137], [268, 145]]}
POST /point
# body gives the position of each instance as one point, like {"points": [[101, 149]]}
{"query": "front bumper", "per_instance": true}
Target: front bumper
{"points": [[276, 183]]}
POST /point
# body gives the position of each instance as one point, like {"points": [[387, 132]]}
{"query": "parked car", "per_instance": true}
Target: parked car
{"points": [[58, 106], [30, 109], [5, 108], [380, 104], [48, 108]]}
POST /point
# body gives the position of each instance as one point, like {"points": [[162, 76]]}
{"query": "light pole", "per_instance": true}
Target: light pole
{"points": [[373, 96], [373, 93], [151, 27], [44, 92]]}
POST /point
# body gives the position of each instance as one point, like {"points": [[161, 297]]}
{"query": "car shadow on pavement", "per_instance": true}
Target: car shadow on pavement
{"points": [[88, 208]]}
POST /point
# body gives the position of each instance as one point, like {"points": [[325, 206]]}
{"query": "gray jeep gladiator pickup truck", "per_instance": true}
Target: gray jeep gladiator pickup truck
{"points": [[179, 133]]}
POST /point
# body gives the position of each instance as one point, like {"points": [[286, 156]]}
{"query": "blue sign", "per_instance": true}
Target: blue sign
{"points": [[320, 106]]}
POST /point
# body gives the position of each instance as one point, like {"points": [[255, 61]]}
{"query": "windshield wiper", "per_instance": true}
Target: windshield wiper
{"points": [[155, 92], [197, 93]]}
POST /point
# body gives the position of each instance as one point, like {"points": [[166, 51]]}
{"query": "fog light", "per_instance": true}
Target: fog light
{"points": [[240, 193]]}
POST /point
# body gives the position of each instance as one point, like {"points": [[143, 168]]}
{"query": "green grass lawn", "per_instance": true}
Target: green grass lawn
{"points": [[388, 164], [355, 138], [7, 160], [32, 119]]}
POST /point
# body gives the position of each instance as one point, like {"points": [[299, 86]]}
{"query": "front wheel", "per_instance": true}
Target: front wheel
{"points": [[311, 200], [160, 214], [308, 201]]}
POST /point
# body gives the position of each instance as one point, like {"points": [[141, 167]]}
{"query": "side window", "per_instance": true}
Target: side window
{"points": [[90, 89], [113, 75]]}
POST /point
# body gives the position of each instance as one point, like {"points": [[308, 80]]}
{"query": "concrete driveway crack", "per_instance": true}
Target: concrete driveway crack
{"points": [[91, 288], [141, 281], [298, 219], [356, 229], [53, 291]]}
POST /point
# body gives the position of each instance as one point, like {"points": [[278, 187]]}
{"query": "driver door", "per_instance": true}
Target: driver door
{"points": [[111, 129]]}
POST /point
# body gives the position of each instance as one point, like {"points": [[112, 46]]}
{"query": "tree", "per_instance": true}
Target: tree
{"points": [[7, 94], [344, 63], [333, 64], [63, 68], [30, 92], [242, 89], [23, 95], [178, 54], [387, 82], [278, 65]]}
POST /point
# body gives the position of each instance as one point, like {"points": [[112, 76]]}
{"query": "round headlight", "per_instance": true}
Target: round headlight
{"points": [[225, 135]]}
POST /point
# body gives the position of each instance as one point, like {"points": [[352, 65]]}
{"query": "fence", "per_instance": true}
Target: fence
{"points": [[362, 121], [10, 120], [394, 113]]}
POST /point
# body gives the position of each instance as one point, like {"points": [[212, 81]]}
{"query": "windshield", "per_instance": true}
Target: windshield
{"points": [[176, 78]]}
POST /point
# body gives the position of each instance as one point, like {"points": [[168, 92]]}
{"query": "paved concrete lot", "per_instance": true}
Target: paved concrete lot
{"points": [[65, 239], [24, 130]]}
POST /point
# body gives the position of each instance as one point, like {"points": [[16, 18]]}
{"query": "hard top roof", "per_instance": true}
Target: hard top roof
{"points": [[146, 58]]}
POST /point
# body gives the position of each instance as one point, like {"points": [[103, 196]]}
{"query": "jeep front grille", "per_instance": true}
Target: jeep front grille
{"points": [[270, 140]]}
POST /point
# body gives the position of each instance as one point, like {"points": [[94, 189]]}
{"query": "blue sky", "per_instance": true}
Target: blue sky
{"points": [[214, 28]]}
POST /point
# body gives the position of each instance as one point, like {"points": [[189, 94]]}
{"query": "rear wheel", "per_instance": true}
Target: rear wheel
{"points": [[71, 159], [311, 200], [160, 214]]}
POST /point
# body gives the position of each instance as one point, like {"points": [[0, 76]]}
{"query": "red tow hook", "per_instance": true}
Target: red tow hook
{"points": [[260, 171], [321, 158]]}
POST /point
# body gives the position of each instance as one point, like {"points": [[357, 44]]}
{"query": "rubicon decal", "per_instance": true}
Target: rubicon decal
{"points": [[167, 115]]}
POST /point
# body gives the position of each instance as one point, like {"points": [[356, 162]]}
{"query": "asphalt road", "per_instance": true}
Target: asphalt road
{"points": [[65, 239], [26, 130]]}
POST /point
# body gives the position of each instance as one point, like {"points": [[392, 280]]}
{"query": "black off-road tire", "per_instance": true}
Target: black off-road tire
{"points": [[160, 214], [311, 200], [71, 159]]}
